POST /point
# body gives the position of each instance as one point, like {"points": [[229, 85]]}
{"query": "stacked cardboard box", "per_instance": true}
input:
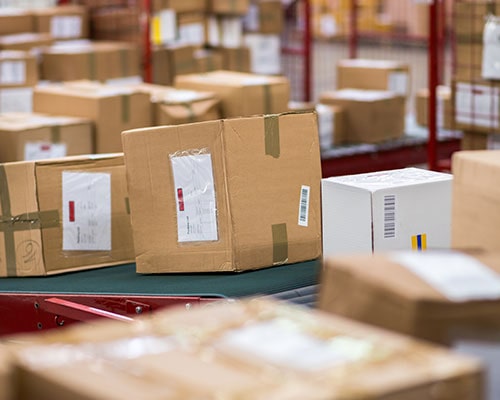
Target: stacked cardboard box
{"points": [[208, 60], [112, 109], [170, 61], [26, 41], [117, 24], [14, 21], [63, 22], [444, 111], [27, 136], [241, 94], [63, 215], [243, 192], [401, 209], [248, 350], [6, 377]]}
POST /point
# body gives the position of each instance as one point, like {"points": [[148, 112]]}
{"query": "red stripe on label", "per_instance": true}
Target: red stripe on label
{"points": [[45, 147], [180, 199], [71, 211]]}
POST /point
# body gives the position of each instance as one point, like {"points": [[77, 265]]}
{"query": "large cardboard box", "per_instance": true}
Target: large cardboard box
{"points": [[444, 113], [361, 73], [118, 24], [434, 295], [235, 194], [63, 215], [179, 6], [241, 94], [208, 60], [172, 106], [401, 209], [98, 61], [170, 61], [25, 41], [191, 28], [63, 22], [475, 216], [17, 69], [235, 59], [15, 21], [112, 109], [265, 16], [371, 116], [241, 350], [27, 136]]}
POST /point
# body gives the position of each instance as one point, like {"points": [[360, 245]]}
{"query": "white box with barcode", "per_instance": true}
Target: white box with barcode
{"points": [[400, 209]]}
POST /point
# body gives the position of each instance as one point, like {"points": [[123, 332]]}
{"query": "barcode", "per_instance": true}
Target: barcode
{"points": [[304, 205], [389, 216]]}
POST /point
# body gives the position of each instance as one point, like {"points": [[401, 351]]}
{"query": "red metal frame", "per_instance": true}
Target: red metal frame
{"points": [[31, 312], [433, 66]]}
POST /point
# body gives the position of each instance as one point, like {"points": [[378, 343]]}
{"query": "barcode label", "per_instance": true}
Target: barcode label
{"points": [[389, 216], [304, 206]]}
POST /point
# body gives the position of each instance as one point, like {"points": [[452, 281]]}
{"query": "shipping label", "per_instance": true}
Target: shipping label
{"points": [[12, 72], [41, 150], [66, 26]]}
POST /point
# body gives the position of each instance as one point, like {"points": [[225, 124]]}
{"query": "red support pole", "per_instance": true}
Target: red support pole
{"points": [[353, 29], [147, 56], [307, 51], [433, 68]]}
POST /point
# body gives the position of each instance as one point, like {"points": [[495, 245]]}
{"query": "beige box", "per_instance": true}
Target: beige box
{"points": [[371, 116], [475, 215], [230, 7], [265, 16], [6, 378], [63, 22], [112, 109], [469, 17], [172, 106], [260, 202], [241, 94], [117, 24], [17, 69], [69, 214], [14, 21], [235, 59], [208, 60], [361, 73], [179, 6], [25, 41], [27, 136], [229, 350], [170, 61], [405, 292], [98, 61], [444, 113], [468, 61]]}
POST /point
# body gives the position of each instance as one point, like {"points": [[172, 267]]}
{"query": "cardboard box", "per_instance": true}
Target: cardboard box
{"points": [[361, 73], [475, 215], [191, 29], [179, 6], [112, 109], [172, 106], [264, 16], [30, 137], [258, 355], [265, 53], [70, 214], [225, 31], [401, 209], [331, 126], [413, 293], [371, 116], [260, 206], [63, 22], [241, 94], [25, 41], [170, 61], [17, 69], [301, 106], [228, 7], [117, 24], [97, 61], [470, 16], [235, 59], [6, 377], [15, 21], [18, 99], [468, 61], [208, 60], [444, 112]]}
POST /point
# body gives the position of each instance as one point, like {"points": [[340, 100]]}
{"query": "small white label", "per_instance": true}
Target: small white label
{"points": [[477, 105], [326, 124], [265, 53], [168, 25], [193, 34], [282, 343], [12, 72], [398, 83], [66, 26], [328, 25], [251, 19], [86, 213], [304, 205], [16, 100], [213, 32], [194, 198], [232, 32], [41, 150], [455, 275]]}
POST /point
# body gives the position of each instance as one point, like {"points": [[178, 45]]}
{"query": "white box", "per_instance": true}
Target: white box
{"points": [[401, 209], [265, 53]]}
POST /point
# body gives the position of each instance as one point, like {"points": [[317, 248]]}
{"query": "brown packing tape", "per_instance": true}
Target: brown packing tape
{"points": [[124, 65], [272, 135], [125, 100], [280, 244], [92, 66], [127, 205], [55, 134], [267, 99]]}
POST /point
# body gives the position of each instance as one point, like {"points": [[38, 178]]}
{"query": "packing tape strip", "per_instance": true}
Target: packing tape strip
{"points": [[267, 99], [280, 244], [127, 205], [55, 134], [272, 135], [125, 100], [124, 64], [92, 66]]}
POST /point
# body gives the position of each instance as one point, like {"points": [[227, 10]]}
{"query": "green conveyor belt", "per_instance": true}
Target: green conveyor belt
{"points": [[123, 280]]}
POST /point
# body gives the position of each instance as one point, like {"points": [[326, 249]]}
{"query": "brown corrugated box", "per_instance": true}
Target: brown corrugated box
{"points": [[112, 109], [208, 60], [379, 290], [63, 22], [265, 16], [468, 60], [99, 61], [172, 106], [469, 17], [15, 21], [191, 28], [235, 59], [117, 24], [179, 5], [17, 69], [231, 7], [255, 170], [40, 235], [371, 116], [170, 61], [241, 94], [27, 136], [475, 212], [240, 350], [374, 75], [443, 107], [25, 41]]}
